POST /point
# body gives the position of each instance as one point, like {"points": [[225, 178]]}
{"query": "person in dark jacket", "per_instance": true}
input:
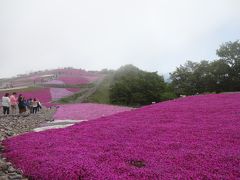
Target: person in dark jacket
{"points": [[6, 103], [21, 104]]}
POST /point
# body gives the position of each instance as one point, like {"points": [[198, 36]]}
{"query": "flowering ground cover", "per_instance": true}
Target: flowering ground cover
{"points": [[57, 93], [88, 111], [190, 138], [43, 94], [77, 76], [74, 80], [67, 76], [54, 82]]}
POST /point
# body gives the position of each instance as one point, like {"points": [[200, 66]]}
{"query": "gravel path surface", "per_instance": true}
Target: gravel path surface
{"points": [[12, 125]]}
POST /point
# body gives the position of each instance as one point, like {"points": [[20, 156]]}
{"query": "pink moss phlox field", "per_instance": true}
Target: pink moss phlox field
{"points": [[190, 138], [69, 76], [74, 80], [43, 95], [54, 82], [86, 111], [58, 93]]}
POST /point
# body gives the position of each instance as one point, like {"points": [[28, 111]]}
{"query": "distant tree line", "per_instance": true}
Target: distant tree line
{"points": [[222, 75], [134, 87]]}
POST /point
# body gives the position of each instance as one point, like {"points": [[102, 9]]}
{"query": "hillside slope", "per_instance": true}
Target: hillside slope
{"points": [[195, 137], [74, 85], [67, 76]]}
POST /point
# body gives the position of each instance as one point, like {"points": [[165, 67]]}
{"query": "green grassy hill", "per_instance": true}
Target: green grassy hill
{"points": [[96, 92], [101, 95]]}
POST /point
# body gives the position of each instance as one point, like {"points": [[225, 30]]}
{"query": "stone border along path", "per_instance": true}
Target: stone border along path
{"points": [[12, 125]]}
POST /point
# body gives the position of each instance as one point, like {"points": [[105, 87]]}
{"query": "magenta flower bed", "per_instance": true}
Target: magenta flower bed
{"points": [[74, 80], [86, 111], [58, 93], [43, 95], [190, 138]]}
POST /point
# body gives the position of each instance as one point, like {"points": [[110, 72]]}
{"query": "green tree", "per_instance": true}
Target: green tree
{"points": [[201, 77], [219, 76], [168, 94], [183, 80], [229, 52], [134, 87]]}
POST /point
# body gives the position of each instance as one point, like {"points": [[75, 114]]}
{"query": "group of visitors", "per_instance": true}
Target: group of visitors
{"points": [[20, 103]]}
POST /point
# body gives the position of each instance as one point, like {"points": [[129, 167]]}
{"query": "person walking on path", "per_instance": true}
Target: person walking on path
{"points": [[14, 103], [35, 105], [39, 106], [6, 103], [21, 104], [30, 105]]}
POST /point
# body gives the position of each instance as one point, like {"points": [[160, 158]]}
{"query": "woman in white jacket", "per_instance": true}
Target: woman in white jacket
{"points": [[6, 103]]}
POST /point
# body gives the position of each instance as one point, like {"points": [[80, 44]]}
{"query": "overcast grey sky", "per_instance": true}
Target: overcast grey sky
{"points": [[154, 35]]}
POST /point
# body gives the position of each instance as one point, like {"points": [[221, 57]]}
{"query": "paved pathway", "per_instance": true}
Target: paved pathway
{"points": [[57, 124]]}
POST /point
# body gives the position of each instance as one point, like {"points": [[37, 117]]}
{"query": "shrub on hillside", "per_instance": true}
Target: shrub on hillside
{"points": [[134, 87], [168, 96]]}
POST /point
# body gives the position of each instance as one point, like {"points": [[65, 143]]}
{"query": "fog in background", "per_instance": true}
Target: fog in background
{"points": [[154, 35]]}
